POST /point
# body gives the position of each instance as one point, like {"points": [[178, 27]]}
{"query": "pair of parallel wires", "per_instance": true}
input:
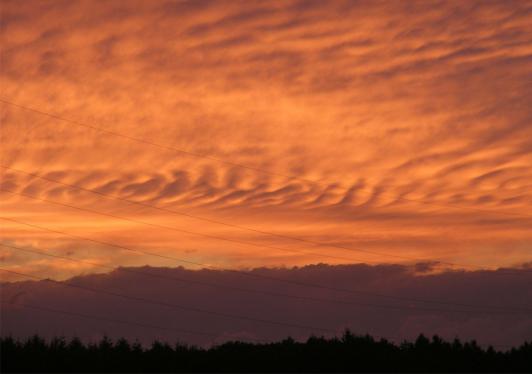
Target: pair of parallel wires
{"points": [[495, 309]]}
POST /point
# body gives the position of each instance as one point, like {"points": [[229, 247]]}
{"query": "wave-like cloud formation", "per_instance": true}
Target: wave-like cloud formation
{"points": [[383, 103], [387, 304]]}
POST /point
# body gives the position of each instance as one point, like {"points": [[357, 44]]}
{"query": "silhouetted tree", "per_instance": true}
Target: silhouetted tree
{"points": [[350, 353]]}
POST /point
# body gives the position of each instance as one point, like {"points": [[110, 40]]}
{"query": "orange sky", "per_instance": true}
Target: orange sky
{"points": [[385, 103]]}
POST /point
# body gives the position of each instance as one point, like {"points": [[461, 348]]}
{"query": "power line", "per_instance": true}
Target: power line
{"points": [[261, 276], [242, 166], [215, 285], [105, 319], [173, 305], [247, 290], [225, 224], [177, 229], [110, 244], [118, 198], [215, 221]]}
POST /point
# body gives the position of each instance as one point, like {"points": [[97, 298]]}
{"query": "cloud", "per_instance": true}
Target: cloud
{"points": [[372, 308], [383, 103]]}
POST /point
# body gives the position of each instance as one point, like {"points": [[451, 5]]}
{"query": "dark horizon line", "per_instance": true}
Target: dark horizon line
{"points": [[345, 335], [353, 353]]}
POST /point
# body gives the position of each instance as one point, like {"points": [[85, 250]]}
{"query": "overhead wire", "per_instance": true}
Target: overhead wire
{"points": [[270, 278], [106, 319], [263, 232], [259, 170], [183, 231], [502, 310], [239, 241], [238, 165], [173, 329], [186, 308]]}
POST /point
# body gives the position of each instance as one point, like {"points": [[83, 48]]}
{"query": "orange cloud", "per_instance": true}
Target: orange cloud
{"points": [[384, 103]]}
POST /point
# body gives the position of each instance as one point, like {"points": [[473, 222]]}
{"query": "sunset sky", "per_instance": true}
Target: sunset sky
{"points": [[370, 131]]}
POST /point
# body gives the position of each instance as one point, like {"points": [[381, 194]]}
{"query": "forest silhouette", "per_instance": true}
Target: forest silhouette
{"points": [[349, 353]]}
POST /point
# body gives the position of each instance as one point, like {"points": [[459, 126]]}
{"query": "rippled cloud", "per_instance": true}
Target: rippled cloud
{"points": [[407, 125]]}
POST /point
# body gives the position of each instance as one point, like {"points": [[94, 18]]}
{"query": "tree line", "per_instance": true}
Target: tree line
{"points": [[349, 353]]}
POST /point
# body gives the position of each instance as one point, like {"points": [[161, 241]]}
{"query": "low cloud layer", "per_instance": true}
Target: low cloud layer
{"points": [[394, 301]]}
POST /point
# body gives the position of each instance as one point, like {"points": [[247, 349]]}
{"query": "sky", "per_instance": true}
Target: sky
{"points": [[355, 132]]}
